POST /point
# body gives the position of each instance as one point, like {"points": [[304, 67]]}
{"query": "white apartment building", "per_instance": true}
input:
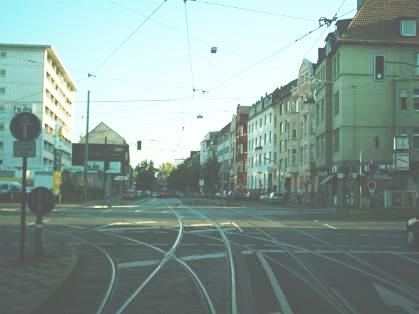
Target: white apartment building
{"points": [[223, 158], [32, 78], [208, 148], [262, 167]]}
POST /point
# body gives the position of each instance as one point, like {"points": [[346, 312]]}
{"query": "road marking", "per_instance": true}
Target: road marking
{"points": [[237, 226], [315, 221], [138, 210], [329, 226], [199, 225], [280, 296], [392, 298], [407, 258]]}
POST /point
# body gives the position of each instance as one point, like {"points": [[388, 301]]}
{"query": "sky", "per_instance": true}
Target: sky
{"points": [[154, 72]]}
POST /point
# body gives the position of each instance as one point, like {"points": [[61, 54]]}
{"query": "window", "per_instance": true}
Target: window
{"points": [[3, 54], [264, 139], [317, 113], [408, 27], [417, 64], [336, 103], [264, 159], [275, 116], [275, 156], [2, 90], [275, 139], [403, 99], [293, 156], [416, 139], [1, 126], [294, 133], [2, 72], [379, 68], [281, 146], [322, 110], [270, 137], [1, 145], [336, 140], [270, 157], [281, 127], [416, 99]]}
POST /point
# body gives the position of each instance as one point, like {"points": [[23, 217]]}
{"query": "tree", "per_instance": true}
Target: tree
{"points": [[146, 179], [164, 171], [209, 173], [185, 177]]}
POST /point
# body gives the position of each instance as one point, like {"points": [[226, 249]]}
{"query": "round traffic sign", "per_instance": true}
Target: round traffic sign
{"points": [[372, 185], [41, 201], [25, 126]]}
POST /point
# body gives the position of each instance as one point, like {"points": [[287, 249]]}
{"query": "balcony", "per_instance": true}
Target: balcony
{"points": [[293, 168]]}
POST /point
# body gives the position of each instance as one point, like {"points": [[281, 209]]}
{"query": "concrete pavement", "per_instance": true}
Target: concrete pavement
{"points": [[24, 287]]}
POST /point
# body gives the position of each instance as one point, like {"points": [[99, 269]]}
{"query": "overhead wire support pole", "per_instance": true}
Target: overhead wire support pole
{"points": [[86, 147]]}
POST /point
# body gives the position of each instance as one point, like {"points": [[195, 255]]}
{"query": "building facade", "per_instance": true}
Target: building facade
{"points": [[33, 79], [262, 173], [367, 96], [223, 158]]}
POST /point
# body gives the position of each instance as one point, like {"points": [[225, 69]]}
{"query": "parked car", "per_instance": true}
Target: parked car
{"points": [[264, 197], [130, 195], [412, 232], [10, 191], [252, 196], [276, 197]]}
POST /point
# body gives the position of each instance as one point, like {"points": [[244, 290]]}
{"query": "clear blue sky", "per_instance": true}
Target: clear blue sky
{"points": [[150, 76]]}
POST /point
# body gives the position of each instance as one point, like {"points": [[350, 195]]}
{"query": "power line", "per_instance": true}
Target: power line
{"points": [[266, 58], [254, 10], [127, 39], [189, 45]]}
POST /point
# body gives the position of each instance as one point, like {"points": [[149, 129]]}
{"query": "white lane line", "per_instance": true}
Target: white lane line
{"points": [[329, 226], [237, 226], [184, 258], [407, 258], [280, 296], [199, 225], [138, 210]]}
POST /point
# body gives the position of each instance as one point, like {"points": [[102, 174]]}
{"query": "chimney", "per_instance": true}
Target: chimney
{"points": [[359, 4]]}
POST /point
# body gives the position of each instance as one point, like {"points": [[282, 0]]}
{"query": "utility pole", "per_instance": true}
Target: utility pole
{"points": [[86, 148]]}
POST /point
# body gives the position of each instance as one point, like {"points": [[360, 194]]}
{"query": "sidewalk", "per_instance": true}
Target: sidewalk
{"points": [[23, 288]]}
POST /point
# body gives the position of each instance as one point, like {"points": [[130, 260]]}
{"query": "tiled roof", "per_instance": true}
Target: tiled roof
{"points": [[378, 21]]}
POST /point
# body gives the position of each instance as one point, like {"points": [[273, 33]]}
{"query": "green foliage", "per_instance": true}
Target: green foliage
{"points": [[209, 173], [145, 175], [185, 177]]}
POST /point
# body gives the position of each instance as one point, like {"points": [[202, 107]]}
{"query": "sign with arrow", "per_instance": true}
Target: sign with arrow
{"points": [[25, 126]]}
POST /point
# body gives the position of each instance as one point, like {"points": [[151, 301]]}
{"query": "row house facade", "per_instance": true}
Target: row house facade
{"points": [[262, 166], [349, 122], [367, 105], [300, 133]]}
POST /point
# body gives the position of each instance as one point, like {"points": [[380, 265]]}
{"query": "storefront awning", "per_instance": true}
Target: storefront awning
{"points": [[327, 179]]}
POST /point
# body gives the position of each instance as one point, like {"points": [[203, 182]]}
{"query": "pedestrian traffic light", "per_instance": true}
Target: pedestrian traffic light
{"points": [[138, 145]]}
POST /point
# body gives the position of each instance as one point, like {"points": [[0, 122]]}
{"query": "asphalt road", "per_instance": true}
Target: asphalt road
{"points": [[165, 256]]}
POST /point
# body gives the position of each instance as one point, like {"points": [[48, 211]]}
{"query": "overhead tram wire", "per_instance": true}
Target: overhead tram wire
{"points": [[189, 46], [323, 21], [128, 38], [253, 10], [267, 57]]}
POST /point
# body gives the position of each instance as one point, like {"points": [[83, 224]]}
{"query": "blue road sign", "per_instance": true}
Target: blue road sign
{"points": [[25, 126]]}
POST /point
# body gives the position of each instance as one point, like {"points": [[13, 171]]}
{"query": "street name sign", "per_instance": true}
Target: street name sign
{"points": [[25, 126], [24, 149]]}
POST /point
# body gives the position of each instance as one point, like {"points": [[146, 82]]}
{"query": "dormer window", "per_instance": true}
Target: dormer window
{"points": [[408, 27]]}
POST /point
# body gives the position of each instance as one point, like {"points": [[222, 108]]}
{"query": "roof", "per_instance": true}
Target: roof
{"points": [[51, 52], [97, 136], [378, 21]]}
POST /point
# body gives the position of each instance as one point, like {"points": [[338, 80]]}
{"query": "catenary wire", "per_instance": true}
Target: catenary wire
{"points": [[127, 39]]}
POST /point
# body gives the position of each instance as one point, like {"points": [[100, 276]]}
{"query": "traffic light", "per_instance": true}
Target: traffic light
{"points": [[138, 145]]}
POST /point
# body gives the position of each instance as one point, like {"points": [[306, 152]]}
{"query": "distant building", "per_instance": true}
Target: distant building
{"points": [[33, 79], [208, 147], [223, 158]]}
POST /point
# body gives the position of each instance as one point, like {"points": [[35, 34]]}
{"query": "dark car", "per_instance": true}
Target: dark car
{"points": [[10, 191], [412, 232], [130, 195], [252, 196]]}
